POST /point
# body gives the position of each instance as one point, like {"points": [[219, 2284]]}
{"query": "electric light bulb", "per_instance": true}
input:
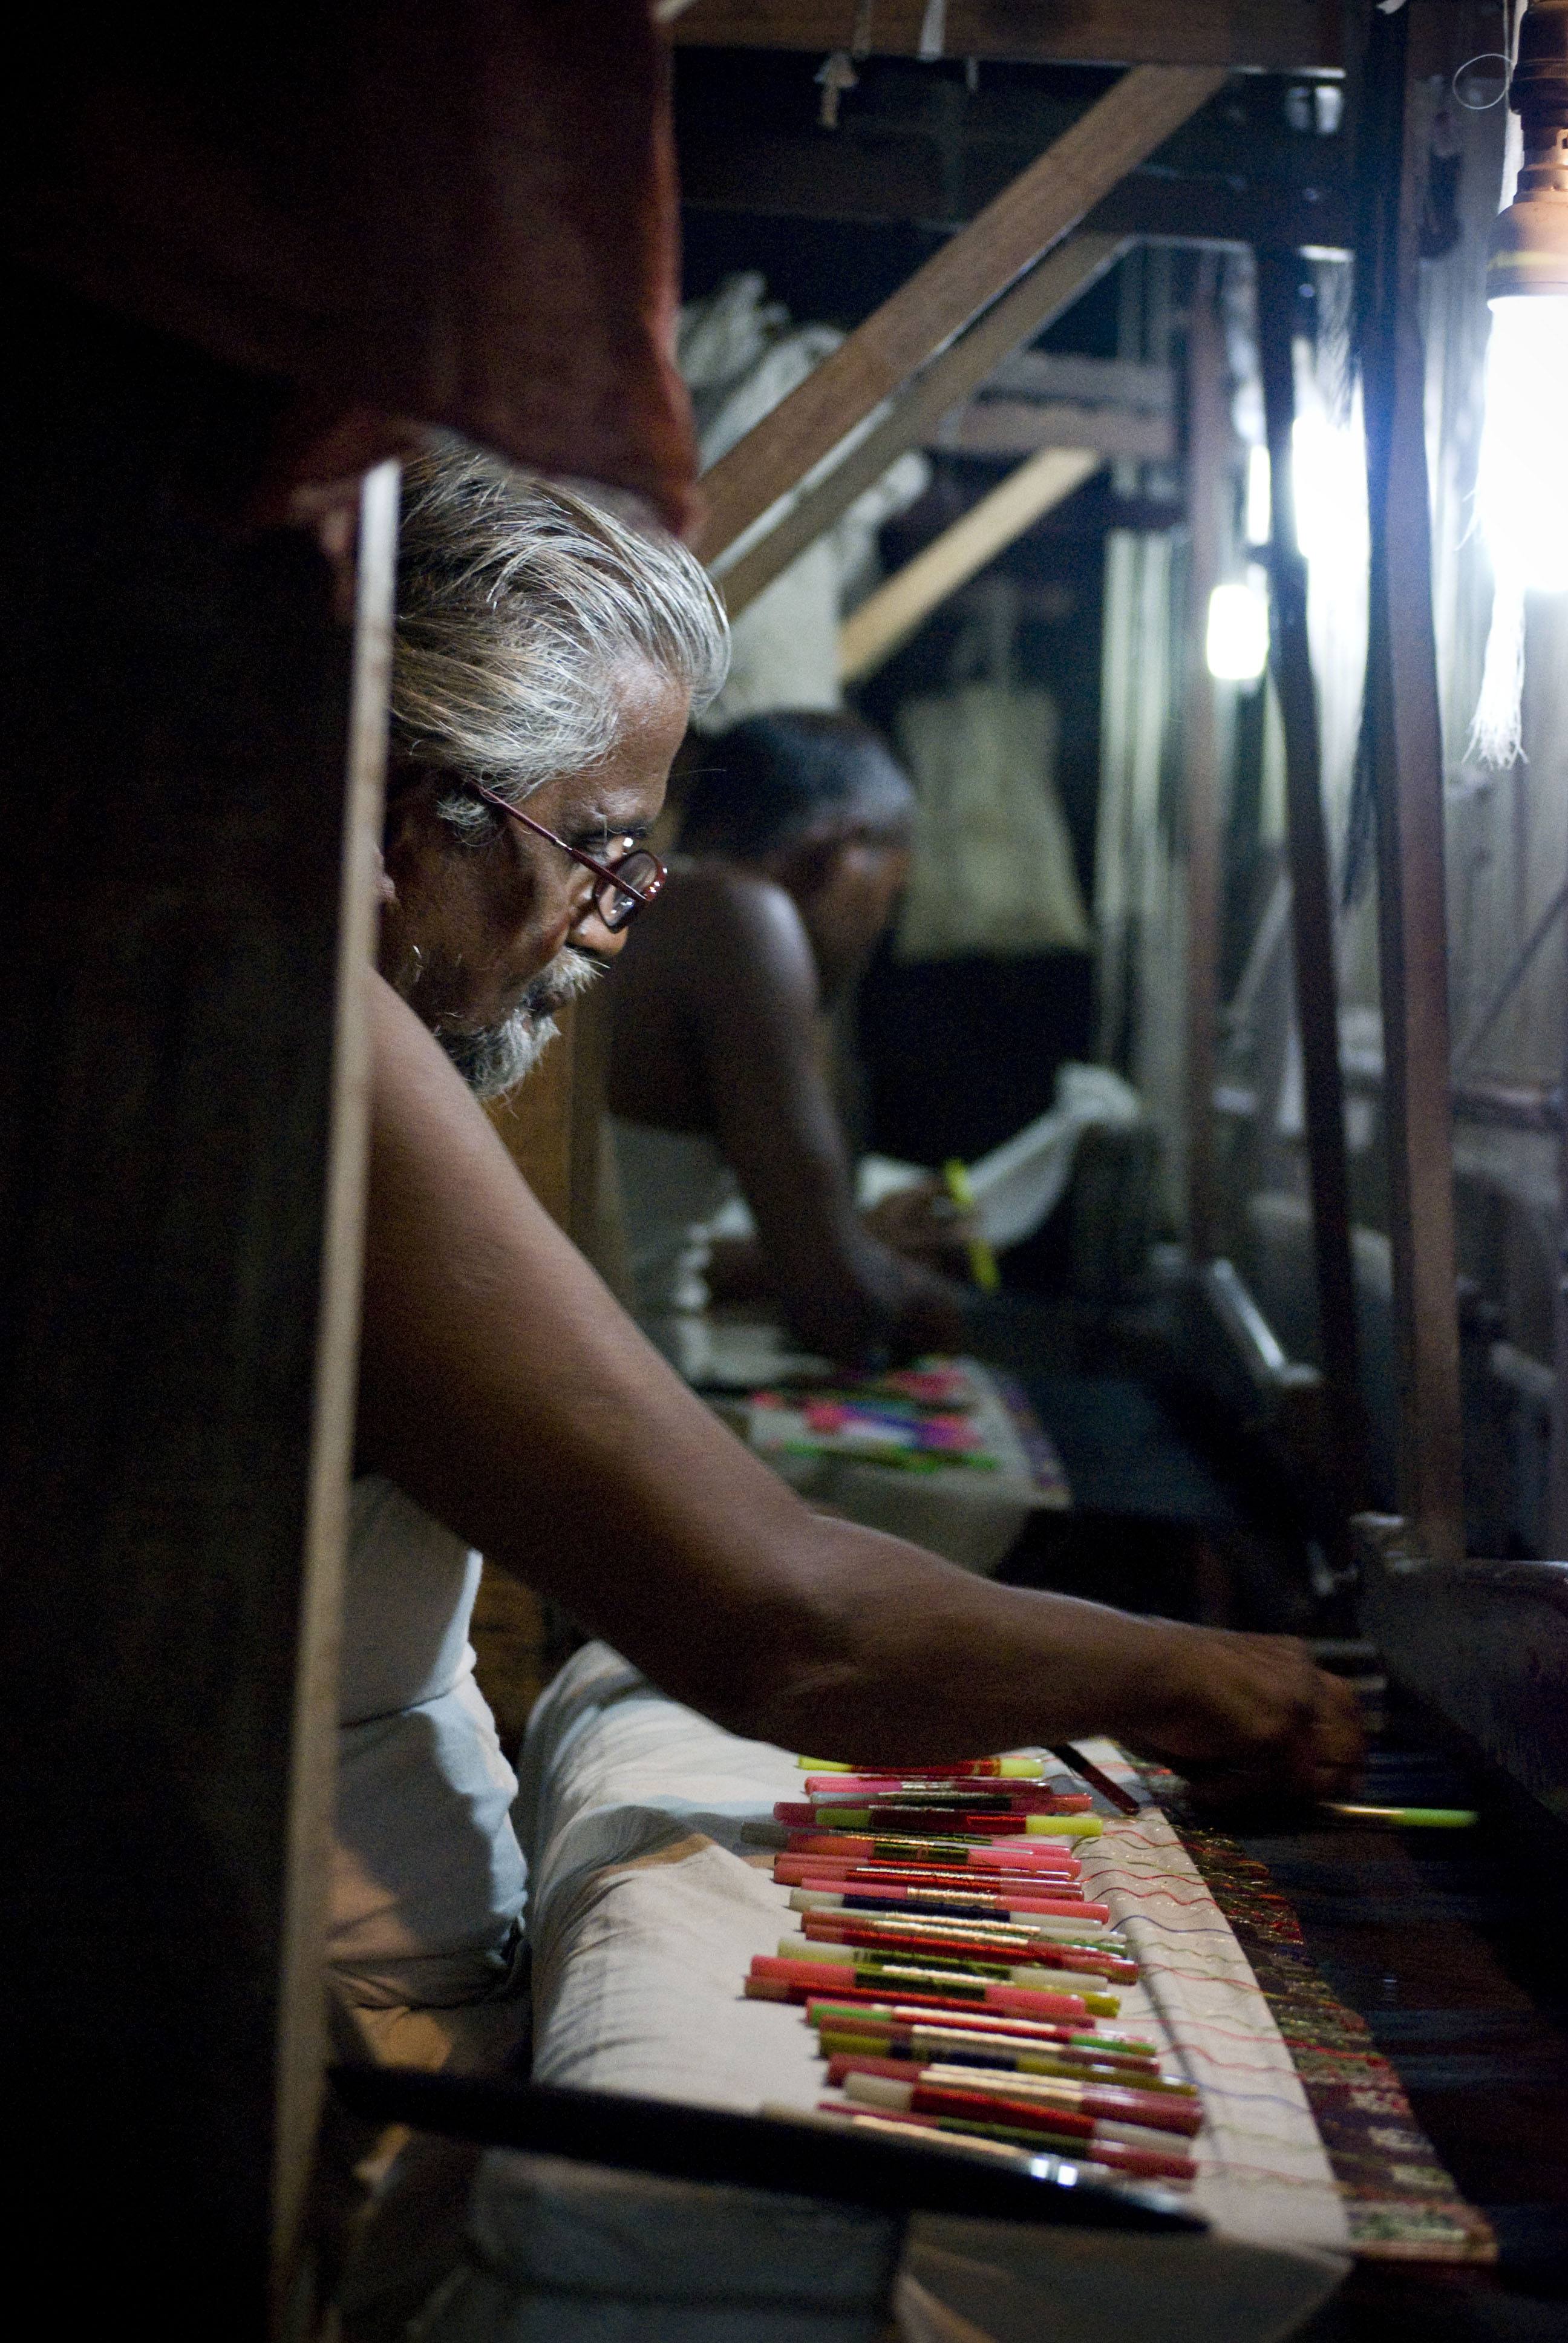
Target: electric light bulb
{"points": [[1522, 477], [1327, 466], [1237, 646]]}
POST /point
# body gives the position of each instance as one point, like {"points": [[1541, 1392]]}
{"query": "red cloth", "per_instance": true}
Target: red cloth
{"points": [[462, 213]]}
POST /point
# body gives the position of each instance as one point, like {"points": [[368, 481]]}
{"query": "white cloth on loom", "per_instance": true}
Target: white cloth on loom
{"points": [[673, 1185], [647, 1908], [427, 1878]]}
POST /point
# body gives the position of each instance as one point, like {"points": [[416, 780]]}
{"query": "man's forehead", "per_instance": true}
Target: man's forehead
{"points": [[608, 795]]}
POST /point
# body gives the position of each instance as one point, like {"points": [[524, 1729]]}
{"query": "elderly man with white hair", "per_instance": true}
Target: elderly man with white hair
{"points": [[548, 660], [548, 657]]}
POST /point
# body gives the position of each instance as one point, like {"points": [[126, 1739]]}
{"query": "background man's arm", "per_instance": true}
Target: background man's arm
{"points": [[505, 1390]]}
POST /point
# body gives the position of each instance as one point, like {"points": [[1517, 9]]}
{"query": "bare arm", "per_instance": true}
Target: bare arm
{"points": [[751, 1006], [505, 1390]]}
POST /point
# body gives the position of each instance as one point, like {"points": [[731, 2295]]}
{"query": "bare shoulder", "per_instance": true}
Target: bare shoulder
{"points": [[735, 925]]}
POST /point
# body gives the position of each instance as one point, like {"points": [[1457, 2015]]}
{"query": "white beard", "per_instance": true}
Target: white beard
{"points": [[495, 1057]]}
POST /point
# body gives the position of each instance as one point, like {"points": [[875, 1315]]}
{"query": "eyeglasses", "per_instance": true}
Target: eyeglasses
{"points": [[624, 886]]}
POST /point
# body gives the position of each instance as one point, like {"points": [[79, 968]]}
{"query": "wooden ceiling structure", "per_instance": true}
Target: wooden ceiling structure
{"points": [[1008, 271]]}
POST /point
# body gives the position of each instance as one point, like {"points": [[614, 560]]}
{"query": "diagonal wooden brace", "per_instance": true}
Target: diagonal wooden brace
{"points": [[1040, 207]]}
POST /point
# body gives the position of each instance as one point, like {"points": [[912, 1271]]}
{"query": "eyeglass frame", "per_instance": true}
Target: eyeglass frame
{"points": [[638, 897]]}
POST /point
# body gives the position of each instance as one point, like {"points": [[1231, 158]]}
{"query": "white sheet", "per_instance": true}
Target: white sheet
{"points": [[646, 1907]]}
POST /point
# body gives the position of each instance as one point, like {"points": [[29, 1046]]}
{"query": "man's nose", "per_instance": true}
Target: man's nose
{"points": [[589, 933]]}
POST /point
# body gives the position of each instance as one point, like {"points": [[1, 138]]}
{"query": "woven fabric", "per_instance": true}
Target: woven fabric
{"points": [[1400, 2202], [462, 216]]}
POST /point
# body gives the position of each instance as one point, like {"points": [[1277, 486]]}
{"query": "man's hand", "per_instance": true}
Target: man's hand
{"points": [[923, 1225], [1238, 1715]]}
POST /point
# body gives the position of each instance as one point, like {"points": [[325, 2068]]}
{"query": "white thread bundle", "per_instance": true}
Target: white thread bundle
{"points": [[1496, 730]]}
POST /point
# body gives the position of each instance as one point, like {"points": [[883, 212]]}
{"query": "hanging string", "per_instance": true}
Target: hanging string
{"points": [[933, 31], [1483, 57], [1496, 732], [837, 74]]}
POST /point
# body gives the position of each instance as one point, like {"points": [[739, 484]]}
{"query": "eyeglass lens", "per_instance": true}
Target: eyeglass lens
{"points": [[614, 905]]}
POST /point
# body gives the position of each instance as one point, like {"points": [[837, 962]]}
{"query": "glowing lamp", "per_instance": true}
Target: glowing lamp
{"points": [[1237, 644], [1522, 477]]}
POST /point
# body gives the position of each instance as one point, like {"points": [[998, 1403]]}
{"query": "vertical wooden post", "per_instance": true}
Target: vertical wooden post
{"points": [[535, 1121], [1557, 1486], [1311, 900], [1208, 424], [1405, 743], [178, 1340], [301, 2046]]}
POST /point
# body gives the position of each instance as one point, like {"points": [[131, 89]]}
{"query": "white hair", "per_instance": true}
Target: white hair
{"points": [[518, 603]]}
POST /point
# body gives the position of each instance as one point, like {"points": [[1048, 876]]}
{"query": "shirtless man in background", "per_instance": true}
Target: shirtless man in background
{"points": [[794, 848]]}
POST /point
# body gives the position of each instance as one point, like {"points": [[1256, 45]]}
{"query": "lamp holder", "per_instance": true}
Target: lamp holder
{"points": [[1529, 251]]}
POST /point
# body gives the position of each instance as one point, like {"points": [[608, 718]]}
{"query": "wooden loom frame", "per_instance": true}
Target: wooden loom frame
{"points": [[286, 1699]]}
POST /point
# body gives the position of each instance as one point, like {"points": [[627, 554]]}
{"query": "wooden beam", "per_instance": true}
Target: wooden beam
{"points": [[1207, 468], [1278, 35], [174, 1382], [778, 177], [535, 1123], [1048, 290], [1486, 1643], [1405, 743], [888, 618], [1557, 1459], [947, 293], [1018, 427], [1312, 905], [313, 1770]]}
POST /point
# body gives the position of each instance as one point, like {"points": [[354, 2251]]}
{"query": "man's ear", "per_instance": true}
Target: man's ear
{"points": [[409, 827]]}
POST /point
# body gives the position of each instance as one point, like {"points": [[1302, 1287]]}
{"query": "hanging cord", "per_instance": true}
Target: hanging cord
{"points": [[837, 72], [1481, 58], [933, 31]]}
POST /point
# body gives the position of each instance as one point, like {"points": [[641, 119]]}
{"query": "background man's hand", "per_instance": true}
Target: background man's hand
{"points": [[924, 1225], [1240, 1714]]}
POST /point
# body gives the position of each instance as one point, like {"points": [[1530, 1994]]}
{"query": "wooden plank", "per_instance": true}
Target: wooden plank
{"points": [[313, 1770], [1486, 1643], [1281, 36], [1018, 427], [1122, 384], [1557, 1460], [947, 295], [865, 181], [535, 1123], [871, 636], [1312, 904], [1406, 745], [1047, 290], [170, 1092], [594, 1222], [1208, 470]]}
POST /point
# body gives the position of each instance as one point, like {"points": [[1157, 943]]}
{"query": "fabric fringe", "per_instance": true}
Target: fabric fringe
{"points": [[1496, 736]]}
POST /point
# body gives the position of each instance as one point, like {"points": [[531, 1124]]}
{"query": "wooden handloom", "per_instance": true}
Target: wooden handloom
{"points": [[264, 1721]]}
